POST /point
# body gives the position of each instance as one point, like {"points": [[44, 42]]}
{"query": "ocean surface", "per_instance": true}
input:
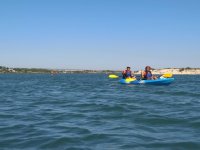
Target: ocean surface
{"points": [[92, 112]]}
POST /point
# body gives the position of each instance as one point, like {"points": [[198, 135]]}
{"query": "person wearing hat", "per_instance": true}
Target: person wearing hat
{"points": [[147, 74]]}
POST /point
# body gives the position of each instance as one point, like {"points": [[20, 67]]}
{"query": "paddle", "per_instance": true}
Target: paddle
{"points": [[113, 76]]}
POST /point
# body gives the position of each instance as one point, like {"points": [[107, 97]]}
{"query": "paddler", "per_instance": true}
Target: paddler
{"points": [[147, 74], [127, 73]]}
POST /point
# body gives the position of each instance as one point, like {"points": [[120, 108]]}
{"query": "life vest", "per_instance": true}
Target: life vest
{"points": [[147, 74], [127, 73]]}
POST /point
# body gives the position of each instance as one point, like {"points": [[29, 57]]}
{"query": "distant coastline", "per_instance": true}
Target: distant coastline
{"points": [[182, 71], [178, 71], [52, 71]]}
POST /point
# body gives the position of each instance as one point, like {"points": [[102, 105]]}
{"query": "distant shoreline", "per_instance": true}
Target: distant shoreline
{"points": [[178, 71]]}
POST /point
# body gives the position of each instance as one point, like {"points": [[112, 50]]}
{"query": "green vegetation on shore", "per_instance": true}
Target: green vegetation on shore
{"points": [[23, 70], [52, 71], [57, 71]]}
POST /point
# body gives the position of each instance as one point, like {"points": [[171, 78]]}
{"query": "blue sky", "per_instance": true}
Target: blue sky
{"points": [[99, 34]]}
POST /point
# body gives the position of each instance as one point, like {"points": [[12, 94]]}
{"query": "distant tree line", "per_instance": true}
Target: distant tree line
{"points": [[32, 70], [23, 70], [4, 69], [187, 68], [40, 70]]}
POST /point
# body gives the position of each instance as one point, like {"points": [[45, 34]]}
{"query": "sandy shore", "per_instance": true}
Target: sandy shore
{"points": [[175, 71]]}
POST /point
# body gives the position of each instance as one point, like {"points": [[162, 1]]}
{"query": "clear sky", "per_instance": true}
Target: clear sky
{"points": [[99, 34]]}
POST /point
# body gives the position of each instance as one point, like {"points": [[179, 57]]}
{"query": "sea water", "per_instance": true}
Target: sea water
{"points": [[92, 112]]}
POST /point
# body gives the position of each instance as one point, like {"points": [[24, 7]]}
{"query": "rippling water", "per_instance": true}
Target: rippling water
{"points": [[90, 111]]}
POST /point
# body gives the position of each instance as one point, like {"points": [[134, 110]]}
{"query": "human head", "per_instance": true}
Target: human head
{"points": [[147, 68], [128, 68]]}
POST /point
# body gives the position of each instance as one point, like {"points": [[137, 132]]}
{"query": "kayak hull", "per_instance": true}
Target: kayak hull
{"points": [[163, 81]]}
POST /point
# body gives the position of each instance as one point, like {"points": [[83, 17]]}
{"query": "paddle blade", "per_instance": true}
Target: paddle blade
{"points": [[112, 76], [167, 75]]}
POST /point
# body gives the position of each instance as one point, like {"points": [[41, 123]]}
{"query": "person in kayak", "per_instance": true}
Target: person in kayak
{"points": [[147, 74], [127, 73]]}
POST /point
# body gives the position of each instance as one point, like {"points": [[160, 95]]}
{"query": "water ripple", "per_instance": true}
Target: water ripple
{"points": [[92, 112]]}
